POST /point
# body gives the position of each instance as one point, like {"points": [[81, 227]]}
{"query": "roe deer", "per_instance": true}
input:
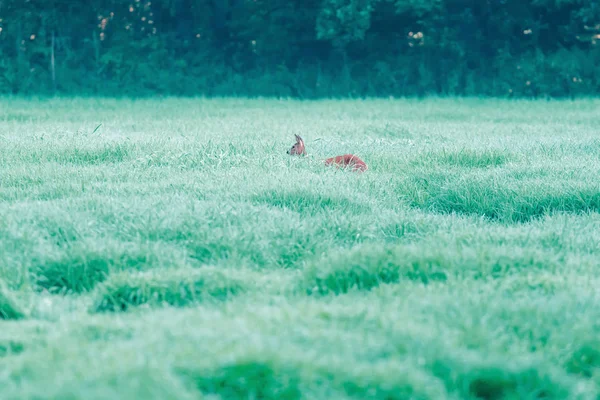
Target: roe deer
{"points": [[346, 160]]}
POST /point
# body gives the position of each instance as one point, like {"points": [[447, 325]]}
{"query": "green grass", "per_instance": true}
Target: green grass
{"points": [[177, 252], [178, 288], [8, 307]]}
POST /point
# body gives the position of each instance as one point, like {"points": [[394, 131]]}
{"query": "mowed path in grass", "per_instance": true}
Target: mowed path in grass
{"points": [[177, 252]]}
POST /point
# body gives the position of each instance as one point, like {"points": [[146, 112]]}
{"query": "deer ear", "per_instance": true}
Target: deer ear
{"points": [[299, 139]]}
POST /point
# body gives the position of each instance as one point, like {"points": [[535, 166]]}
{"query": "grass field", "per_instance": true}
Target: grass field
{"points": [[171, 249]]}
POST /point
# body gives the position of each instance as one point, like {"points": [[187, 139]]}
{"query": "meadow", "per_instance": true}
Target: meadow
{"points": [[171, 249]]}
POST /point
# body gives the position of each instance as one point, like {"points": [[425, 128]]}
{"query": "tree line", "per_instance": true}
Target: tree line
{"points": [[300, 48]]}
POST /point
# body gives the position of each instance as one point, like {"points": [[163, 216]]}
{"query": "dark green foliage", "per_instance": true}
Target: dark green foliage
{"points": [[344, 21], [304, 48]]}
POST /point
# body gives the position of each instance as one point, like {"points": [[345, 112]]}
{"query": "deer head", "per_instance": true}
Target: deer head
{"points": [[297, 148]]}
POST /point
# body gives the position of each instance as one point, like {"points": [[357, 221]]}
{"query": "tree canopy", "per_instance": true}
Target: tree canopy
{"points": [[304, 48]]}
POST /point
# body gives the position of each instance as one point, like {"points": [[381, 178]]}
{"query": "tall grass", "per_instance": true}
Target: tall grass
{"points": [[170, 248]]}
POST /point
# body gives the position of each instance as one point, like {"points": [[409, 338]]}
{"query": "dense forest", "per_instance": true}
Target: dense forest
{"points": [[300, 48]]}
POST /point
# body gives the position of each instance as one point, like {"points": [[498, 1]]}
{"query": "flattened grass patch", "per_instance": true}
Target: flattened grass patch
{"points": [[367, 266], [492, 380], [468, 158], [246, 380], [389, 381], [305, 202], [507, 200], [177, 288], [108, 153], [78, 270]]}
